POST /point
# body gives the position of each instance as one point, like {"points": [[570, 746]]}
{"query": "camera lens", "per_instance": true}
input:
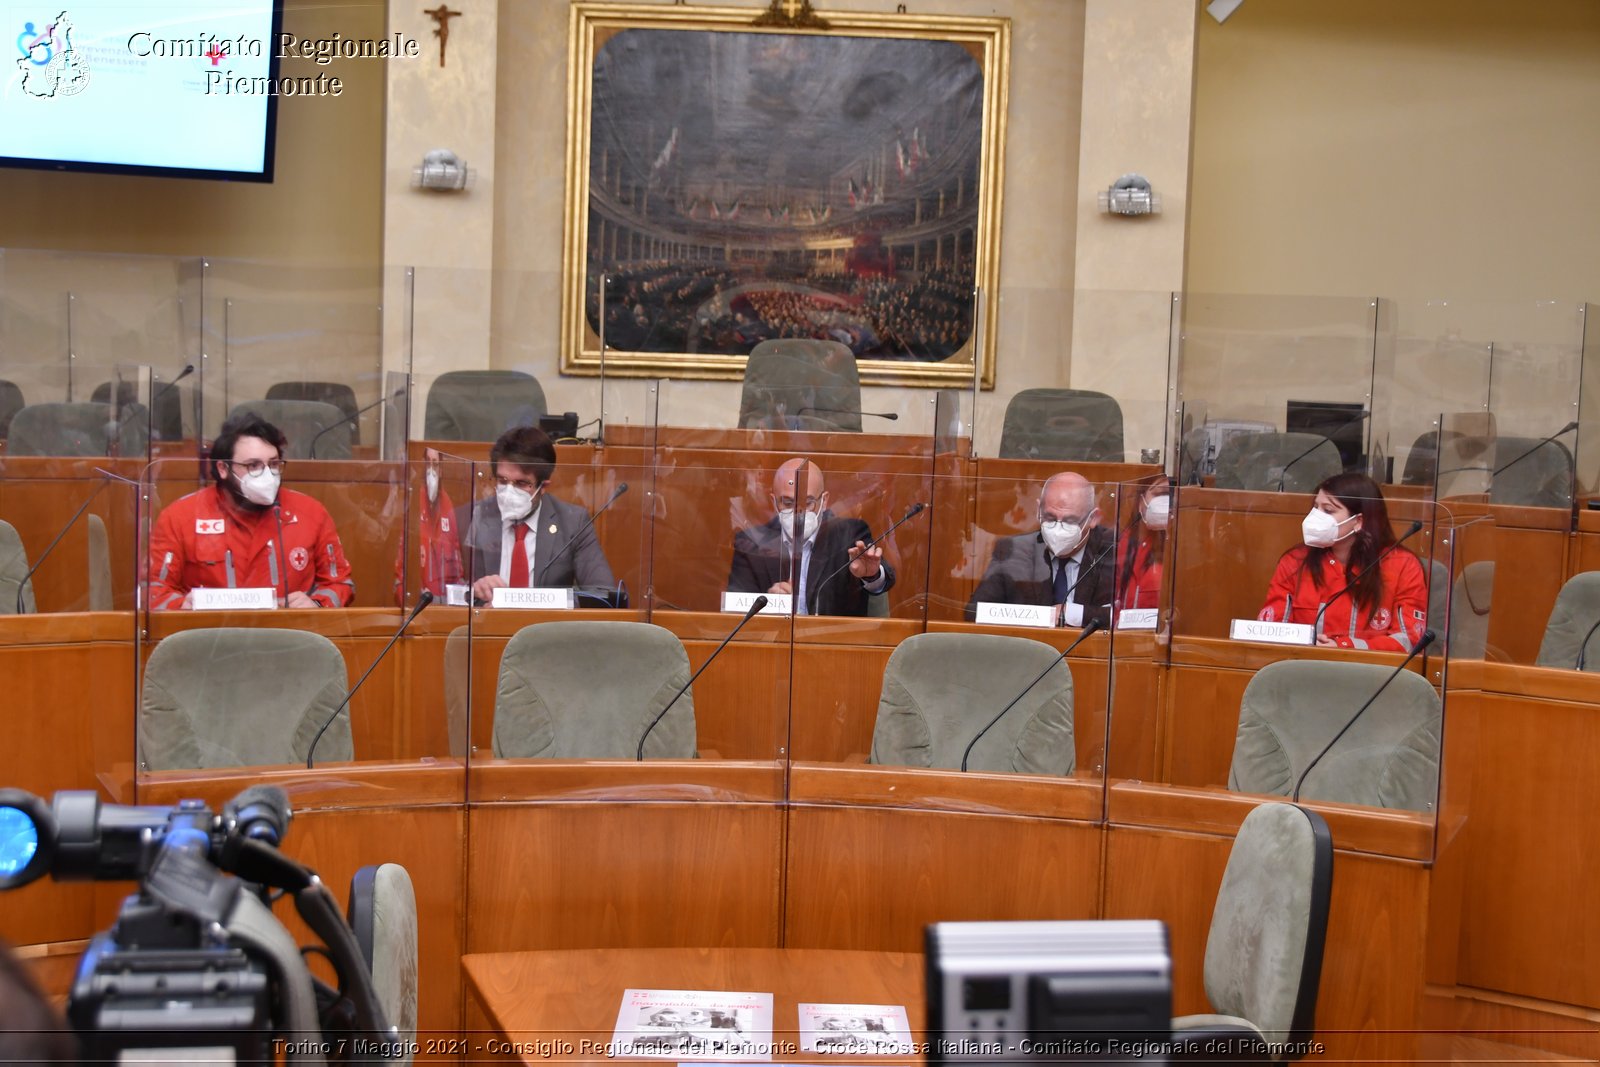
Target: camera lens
{"points": [[27, 838], [19, 840]]}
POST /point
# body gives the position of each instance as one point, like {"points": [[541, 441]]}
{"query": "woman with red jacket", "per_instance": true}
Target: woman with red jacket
{"points": [[1139, 559], [1386, 603]]}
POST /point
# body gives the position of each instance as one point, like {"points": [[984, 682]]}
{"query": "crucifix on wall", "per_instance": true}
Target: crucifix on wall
{"points": [[442, 15]]}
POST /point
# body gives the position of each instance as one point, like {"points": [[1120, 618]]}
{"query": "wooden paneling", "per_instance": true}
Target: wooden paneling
{"points": [[38, 496]]}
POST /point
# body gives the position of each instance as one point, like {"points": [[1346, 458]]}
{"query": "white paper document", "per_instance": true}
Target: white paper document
{"points": [[683, 1024], [856, 1030]]}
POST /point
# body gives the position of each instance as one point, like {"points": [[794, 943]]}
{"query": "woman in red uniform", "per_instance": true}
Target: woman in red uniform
{"points": [[1144, 547], [1345, 534]]}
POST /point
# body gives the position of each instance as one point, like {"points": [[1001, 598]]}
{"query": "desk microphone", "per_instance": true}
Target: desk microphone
{"points": [[352, 418], [1583, 649], [423, 600], [890, 415], [1316, 624], [755, 609], [913, 510], [623, 488], [165, 389], [1568, 428], [1426, 640], [1328, 437], [1090, 627], [106, 479]]}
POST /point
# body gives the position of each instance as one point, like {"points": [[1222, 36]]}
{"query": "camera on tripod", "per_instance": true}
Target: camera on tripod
{"points": [[196, 959]]}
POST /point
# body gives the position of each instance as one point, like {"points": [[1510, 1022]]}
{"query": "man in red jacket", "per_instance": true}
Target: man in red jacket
{"points": [[438, 540], [244, 532]]}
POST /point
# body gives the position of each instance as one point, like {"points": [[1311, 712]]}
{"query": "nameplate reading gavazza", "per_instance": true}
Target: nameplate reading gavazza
{"points": [[1039, 615]]}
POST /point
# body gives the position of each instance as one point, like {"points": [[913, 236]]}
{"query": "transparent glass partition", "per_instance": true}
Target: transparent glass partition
{"points": [[1588, 447], [71, 533], [1437, 365]]}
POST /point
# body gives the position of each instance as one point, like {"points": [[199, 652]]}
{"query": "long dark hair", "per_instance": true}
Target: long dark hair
{"points": [[1361, 496], [1137, 533]]}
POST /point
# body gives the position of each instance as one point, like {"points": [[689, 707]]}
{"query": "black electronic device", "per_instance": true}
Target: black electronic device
{"points": [[1343, 424]]}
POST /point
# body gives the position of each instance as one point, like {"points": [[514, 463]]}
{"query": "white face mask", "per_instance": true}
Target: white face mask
{"points": [[1158, 512], [515, 504], [260, 488], [430, 479], [786, 520], [1319, 529], [1062, 539]]}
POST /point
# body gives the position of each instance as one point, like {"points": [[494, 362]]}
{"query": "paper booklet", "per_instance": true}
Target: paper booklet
{"points": [[856, 1029], [678, 1024]]}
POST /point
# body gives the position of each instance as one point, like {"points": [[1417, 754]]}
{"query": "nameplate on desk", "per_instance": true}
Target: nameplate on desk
{"points": [[541, 599], [1040, 615], [458, 596], [264, 598], [777, 603], [1137, 618], [1277, 633]]}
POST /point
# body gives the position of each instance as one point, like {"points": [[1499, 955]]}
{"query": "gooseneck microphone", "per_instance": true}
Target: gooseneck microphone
{"points": [[351, 418], [1316, 624], [1090, 627], [1568, 428], [106, 479], [755, 609], [423, 600], [915, 509], [1328, 437], [1426, 640], [165, 389], [564, 549], [890, 415], [1583, 649]]}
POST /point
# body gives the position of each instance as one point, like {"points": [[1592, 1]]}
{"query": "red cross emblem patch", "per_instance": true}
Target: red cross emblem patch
{"points": [[209, 526], [299, 558]]}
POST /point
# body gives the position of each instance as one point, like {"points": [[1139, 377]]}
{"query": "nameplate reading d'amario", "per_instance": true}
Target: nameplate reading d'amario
{"points": [[1040, 615], [777, 603], [1277, 633], [264, 598], [540, 599]]}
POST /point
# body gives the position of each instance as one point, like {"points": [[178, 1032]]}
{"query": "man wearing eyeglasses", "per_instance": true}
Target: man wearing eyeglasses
{"points": [[1067, 562], [523, 537], [246, 532]]}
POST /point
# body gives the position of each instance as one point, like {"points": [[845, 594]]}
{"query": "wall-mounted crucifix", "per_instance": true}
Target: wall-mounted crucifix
{"points": [[442, 15]]}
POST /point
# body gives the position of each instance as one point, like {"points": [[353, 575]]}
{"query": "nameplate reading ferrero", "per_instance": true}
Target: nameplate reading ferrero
{"points": [[1039, 615], [777, 603], [264, 598], [535, 599], [1277, 633]]}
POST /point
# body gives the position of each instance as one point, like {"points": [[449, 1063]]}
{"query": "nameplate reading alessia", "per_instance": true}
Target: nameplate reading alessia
{"points": [[777, 603], [1040, 615], [540, 599], [1277, 633], [263, 598]]}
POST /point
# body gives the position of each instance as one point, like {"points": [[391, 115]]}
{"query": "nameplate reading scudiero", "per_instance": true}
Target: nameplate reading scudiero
{"points": [[535, 599], [1277, 633], [264, 598], [777, 603], [1040, 615]]}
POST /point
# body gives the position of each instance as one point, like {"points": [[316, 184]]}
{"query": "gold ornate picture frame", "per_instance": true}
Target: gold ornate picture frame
{"points": [[737, 175]]}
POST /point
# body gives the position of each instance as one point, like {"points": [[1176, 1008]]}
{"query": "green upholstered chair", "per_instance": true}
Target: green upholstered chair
{"points": [[13, 569], [940, 689], [1569, 640], [99, 563], [1263, 962], [588, 690], [167, 403], [1066, 424], [1293, 708], [303, 423], [241, 697], [11, 402], [78, 430], [1471, 597], [1296, 462], [338, 394], [480, 405], [797, 384], [1438, 593], [1540, 479], [457, 672], [383, 916]]}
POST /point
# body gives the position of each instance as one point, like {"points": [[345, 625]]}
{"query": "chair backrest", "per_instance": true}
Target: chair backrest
{"points": [[1263, 461], [940, 689], [383, 916], [1540, 479], [168, 405], [1570, 632], [801, 384], [480, 405], [11, 402], [84, 429], [241, 697], [303, 423], [1422, 462], [338, 394], [1070, 424], [457, 670], [1471, 597], [98, 563], [588, 690], [1293, 708], [13, 568], [1270, 923]]}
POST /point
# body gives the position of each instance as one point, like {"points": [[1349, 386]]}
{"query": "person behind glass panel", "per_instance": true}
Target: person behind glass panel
{"points": [[1144, 546], [803, 544], [1344, 534], [438, 536], [523, 537], [245, 531], [1067, 561]]}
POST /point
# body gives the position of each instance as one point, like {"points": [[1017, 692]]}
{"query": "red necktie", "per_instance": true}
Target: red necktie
{"points": [[519, 558]]}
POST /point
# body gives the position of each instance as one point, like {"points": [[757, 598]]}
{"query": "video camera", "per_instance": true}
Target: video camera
{"points": [[196, 959]]}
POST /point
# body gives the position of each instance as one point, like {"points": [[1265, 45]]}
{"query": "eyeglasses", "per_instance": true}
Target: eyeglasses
{"points": [[527, 485], [1061, 524], [254, 467], [786, 503]]}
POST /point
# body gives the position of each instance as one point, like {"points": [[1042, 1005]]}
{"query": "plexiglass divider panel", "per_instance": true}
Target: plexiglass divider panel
{"points": [[74, 524], [1588, 449]]}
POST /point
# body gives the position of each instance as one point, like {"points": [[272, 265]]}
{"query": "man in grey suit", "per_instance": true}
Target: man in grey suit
{"points": [[522, 536]]}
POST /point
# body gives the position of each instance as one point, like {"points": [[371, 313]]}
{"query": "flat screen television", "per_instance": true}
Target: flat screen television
{"points": [[170, 87]]}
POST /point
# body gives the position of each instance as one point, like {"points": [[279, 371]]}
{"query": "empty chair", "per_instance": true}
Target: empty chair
{"points": [[79, 430], [338, 394], [99, 563], [1470, 600], [480, 405], [1571, 629], [1286, 462], [167, 404], [1067, 424], [383, 916], [1263, 964], [314, 429], [13, 571], [241, 697], [801, 385], [1292, 709], [1540, 478], [588, 690], [457, 671], [940, 689], [11, 402]]}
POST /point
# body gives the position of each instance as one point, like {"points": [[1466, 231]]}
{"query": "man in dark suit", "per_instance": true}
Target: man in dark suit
{"points": [[1068, 561], [805, 543], [522, 536]]}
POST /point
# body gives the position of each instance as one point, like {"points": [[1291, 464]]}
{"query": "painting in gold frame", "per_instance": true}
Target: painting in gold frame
{"points": [[734, 183]]}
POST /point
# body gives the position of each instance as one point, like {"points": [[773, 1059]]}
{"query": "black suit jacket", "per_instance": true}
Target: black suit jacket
{"points": [[554, 564], [759, 563], [1022, 572]]}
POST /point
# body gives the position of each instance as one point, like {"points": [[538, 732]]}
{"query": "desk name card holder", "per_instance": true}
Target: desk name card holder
{"points": [[1042, 616], [1276, 633], [1137, 618], [255, 598], [457, 595], [542, 599], [777, 603]]}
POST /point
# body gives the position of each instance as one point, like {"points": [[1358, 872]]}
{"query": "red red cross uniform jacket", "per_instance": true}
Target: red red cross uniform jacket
{"points": [[440, 550], [1143, 586], [1395, 625], [205, 541]]}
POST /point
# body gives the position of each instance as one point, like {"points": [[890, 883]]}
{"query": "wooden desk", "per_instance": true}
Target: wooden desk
{"points": [[570, 999]]}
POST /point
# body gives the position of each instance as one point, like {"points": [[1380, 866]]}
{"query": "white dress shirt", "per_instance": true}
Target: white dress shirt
{"points": [[508, 542]]}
